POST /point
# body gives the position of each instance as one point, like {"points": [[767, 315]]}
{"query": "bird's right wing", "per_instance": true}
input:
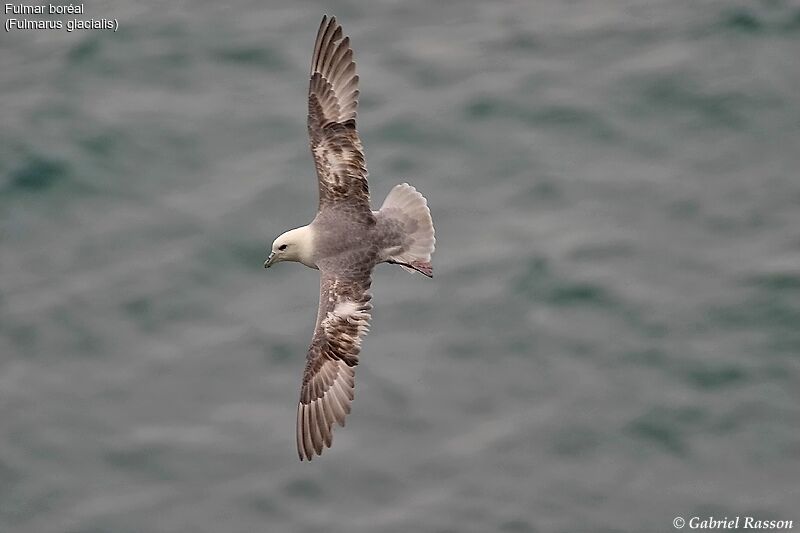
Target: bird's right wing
{"points": [[332, 102], [329, 377]]}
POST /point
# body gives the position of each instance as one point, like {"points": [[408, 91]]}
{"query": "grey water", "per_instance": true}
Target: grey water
{"points": [[612, 336]]}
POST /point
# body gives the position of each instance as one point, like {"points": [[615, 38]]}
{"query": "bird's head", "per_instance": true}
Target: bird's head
{"points": [[294, 245]]}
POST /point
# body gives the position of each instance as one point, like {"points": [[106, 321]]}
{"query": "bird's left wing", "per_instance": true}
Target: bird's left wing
{"points": [[332, 103], [329, 377]]}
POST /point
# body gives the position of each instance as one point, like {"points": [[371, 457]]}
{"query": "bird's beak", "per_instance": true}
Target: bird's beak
{"points": [[270, 260]]}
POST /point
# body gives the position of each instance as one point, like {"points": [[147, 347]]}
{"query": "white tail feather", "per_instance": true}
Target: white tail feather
{"points": [[407, 204]]}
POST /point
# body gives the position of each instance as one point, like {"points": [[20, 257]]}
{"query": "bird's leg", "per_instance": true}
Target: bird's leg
{"points": [[423, 268]]}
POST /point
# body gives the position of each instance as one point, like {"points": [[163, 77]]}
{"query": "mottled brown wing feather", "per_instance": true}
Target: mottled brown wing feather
{"points": [[329, 377], [332, 104]]}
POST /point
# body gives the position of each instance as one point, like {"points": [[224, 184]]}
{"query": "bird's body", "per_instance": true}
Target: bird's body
{"points": [[344, 241]]}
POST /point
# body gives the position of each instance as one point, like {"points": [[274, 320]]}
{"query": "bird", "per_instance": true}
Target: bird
{"points": [[345, 241]]}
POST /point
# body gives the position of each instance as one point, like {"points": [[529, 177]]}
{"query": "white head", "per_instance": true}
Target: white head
{"points": [[294, 245]]}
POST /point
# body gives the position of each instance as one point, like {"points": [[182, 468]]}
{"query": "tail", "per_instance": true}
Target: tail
{"points": [[408, 206]]}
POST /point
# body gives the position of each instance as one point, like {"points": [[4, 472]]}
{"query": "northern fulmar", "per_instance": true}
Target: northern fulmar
{"points": [[345, 240]]}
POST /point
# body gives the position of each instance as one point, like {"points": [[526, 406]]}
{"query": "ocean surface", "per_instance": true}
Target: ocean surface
{"points": [[611, 339]]}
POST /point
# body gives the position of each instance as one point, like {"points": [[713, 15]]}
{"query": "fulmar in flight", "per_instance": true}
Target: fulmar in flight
{"points": [[344, 241]]}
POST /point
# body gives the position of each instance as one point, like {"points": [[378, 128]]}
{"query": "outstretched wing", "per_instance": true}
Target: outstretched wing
{"points": [[332, 103], [329, 377]]}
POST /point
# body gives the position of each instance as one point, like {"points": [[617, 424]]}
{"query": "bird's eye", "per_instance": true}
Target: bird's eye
{"points": [[282, 247]]}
